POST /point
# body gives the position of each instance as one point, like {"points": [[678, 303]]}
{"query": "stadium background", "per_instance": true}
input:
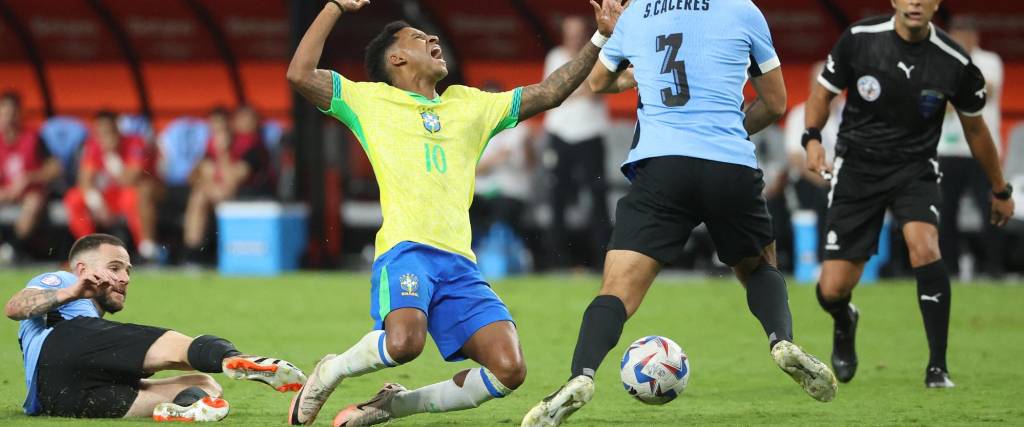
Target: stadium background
{"points": [[172, 59], [177, 58]]}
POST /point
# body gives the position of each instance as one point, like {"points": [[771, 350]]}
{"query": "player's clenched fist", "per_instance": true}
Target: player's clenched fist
{"points": [[607, 14], [347, 5], [1002, 211]]}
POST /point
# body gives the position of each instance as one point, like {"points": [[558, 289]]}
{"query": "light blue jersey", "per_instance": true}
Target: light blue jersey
{"points": [[691, 59], [32, 332]]}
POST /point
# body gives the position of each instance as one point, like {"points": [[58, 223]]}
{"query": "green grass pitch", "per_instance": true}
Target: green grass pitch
{"points": [[301, 317]]}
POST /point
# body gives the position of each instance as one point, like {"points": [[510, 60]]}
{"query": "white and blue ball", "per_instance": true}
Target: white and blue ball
{"points": [[654, 370]]}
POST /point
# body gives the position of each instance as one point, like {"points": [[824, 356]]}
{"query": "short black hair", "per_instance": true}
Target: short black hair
{"points": [[106, 115], [219, 110], [376, 51], [91, 243], [11, 96]]}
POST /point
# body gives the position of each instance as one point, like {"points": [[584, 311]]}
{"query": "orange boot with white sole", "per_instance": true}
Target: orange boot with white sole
{"points": [[279, 374]]}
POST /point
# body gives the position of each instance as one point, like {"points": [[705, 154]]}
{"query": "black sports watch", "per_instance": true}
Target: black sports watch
{"points": [[1005, 194]]}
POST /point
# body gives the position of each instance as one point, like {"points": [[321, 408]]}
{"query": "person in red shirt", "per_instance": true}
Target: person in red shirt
{"points": [[26, 169], [112, 168], [236, 166]]}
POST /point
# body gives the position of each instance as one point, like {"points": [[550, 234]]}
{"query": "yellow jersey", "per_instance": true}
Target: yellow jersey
{"points": [[424, 153]]}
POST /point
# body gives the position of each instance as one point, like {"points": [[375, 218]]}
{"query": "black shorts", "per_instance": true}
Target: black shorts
{"points": [[90, 367], [861, 193], [671, 195]]}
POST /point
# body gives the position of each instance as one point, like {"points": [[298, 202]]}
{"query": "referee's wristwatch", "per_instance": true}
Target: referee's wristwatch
{"points": [[810, 134], [1005, 194]]}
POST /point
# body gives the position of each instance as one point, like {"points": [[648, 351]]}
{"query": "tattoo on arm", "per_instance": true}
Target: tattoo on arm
{"points": [[559, 85], [318, 88], [30, 303]]}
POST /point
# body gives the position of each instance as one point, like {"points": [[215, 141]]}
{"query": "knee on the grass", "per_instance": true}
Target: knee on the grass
{"points": [[212, 387], [203, 381]]}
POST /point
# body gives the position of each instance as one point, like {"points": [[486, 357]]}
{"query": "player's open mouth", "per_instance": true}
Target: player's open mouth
{"points": [[912, 15], [435, 52]]}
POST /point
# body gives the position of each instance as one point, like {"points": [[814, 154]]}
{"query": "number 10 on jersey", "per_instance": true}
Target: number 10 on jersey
{"points": [[434, 155]]}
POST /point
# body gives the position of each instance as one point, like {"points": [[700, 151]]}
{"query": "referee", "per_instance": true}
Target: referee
{"points": [[900, 71]]}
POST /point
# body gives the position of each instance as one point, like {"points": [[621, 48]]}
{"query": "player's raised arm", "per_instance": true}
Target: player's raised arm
{"points": [[560, 84], [31, 302], [314, 84]]}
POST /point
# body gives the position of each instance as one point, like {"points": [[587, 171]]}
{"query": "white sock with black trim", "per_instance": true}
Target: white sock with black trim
{"points": [[480, 386], [370, 354]]}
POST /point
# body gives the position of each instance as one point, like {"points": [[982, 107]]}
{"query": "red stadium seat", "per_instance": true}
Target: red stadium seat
{"points": [[177, 89], [83, 89]]}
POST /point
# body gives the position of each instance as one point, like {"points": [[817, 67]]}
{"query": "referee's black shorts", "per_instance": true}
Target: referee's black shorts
{"points": [[671, 195], [90, 367], [861, 192]]}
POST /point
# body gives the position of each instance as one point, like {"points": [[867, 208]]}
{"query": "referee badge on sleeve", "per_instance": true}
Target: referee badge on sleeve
{"points": [[931, 102]]}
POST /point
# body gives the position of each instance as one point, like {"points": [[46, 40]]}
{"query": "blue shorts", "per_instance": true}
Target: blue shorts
{"points": [[447, 287]]}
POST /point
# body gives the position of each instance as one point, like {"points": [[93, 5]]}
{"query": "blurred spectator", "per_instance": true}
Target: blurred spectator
{"points": [[503, 188], [236, 165], [503, 178], [961, 174], [111, 173], [811, 189], [576, 135], [26, 169], [774, 163]]}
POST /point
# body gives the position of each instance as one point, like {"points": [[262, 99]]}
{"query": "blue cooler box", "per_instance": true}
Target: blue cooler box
{"points": [[806, 266], [260, 238]]}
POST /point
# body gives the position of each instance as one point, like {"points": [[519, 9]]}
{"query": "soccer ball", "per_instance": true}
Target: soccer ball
{"points": [[654, 370]]}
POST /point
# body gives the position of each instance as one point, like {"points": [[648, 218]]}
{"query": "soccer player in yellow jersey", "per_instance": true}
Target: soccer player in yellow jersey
{"points": [[424, 148]]}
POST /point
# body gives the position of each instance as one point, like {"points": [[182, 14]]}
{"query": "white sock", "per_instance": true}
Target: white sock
{"points": [[479, 387], [370, 354]]}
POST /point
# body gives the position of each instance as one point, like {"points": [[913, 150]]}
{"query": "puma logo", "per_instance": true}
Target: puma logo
{"points": [[905, 69], [932, 298], [831, 65], [981, 93]]}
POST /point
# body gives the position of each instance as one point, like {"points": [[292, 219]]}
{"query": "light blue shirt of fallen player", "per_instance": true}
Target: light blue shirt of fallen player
{"points": [[33, 331], [691, 59]]}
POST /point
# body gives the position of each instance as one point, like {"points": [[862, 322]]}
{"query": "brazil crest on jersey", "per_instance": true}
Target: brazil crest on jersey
{"points": [[424, 153]]}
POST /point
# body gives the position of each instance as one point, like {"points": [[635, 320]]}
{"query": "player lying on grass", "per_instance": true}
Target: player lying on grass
{"points": [[78, 364], [424, 149]]}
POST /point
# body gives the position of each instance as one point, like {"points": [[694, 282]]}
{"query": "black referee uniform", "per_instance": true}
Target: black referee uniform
{"points": [[885, 159], [885, 154]]}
